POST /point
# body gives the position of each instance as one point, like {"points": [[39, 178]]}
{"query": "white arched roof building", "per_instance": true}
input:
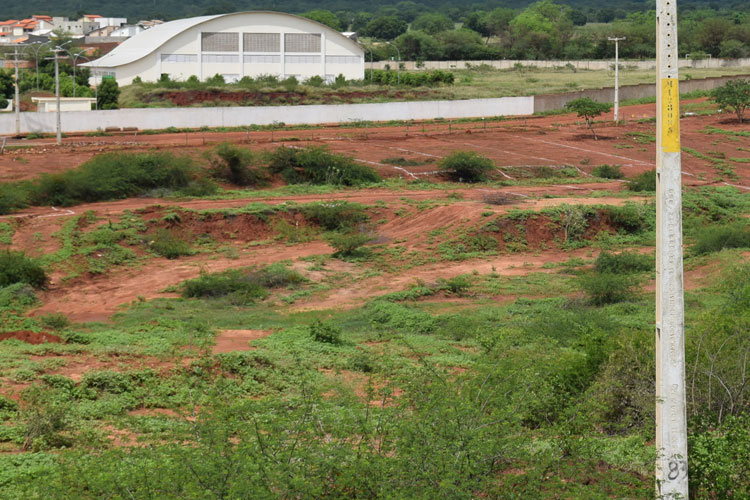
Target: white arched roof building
{"points": [[234, 45]]}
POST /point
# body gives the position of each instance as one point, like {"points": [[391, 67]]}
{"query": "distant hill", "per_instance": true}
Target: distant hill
{"points": [[174, 9]]}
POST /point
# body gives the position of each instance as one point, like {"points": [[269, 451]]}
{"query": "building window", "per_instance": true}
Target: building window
{"points": [[261, 42], [302, 42], [302, 59], [262, 59], [343, 59], [220, 42], [179, 58], [221, 58]]}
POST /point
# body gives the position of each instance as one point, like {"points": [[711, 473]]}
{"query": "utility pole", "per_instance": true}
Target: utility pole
{"points": [[671, 419], [617, 75], [17, 93], [58, 128]]}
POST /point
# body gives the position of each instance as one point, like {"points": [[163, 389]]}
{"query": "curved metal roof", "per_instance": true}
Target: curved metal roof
{"points": [[148, 41]]}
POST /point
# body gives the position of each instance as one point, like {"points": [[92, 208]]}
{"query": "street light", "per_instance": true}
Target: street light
{"points": [[75, 56], [58, 125], [617, 75], [37, 47], [371, 60], [398, 71]]}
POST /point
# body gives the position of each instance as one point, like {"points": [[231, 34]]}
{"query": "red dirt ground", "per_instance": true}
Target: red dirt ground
{"points": [[31, 337], [558, 140], [238, 340]]}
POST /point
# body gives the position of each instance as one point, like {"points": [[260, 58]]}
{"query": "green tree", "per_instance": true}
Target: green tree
{"points": [[419, 46], [465, 44], [324, 17], [385, 27], [588, 109], [543, 29], [108, 94], [432, 22], [735, 94]]}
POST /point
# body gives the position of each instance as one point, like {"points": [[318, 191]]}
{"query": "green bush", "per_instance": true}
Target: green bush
{"points": [[236, 165], [55, 321], [412, 79], [242, 286], [13, 196], [347, 244], [604, 288], [720, 457], [715, 238], [16, 267], [167, 244], [608, 172], [399, 318], [632, 218], [466, 166], [335, 215], [645, 181], [113, 176], [325, 333], [319, 166], [624, 263]]}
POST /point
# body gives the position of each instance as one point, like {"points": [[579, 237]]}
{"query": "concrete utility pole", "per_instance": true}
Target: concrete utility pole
{"points": [[671, 420], [58, 125], [17, 93], [617, 75]]}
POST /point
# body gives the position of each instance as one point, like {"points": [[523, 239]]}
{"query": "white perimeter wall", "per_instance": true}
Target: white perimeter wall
{"points": [[161, 118], [585, 65]]}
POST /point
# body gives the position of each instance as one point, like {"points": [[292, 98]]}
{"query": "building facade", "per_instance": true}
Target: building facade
{"points": [[234, 45]]}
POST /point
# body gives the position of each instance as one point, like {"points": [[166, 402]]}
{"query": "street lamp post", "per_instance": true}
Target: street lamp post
{"points": [[75, 56], [37, 47], [617, 75], [398, 70]]}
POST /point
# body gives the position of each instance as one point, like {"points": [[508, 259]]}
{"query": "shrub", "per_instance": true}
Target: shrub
{"points": [[314, 81], [325, 333], [466, 166], [114, 175], [16, 267], [236, 165], [714, 238], [319, 166], [397, 317], [632, 218], [720, 457], [645, 181], [608, 172], [167, 244], [55, 321], [608, 287], [243, 286], [624, 263], [13, 196], [348, 243], [335, 215]]}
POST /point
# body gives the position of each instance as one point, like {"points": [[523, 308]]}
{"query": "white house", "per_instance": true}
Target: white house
{"points": [[234, 45]]}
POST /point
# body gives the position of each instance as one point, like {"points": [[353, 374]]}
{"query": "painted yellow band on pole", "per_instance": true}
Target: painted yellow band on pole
{"points": [[670, 114]]}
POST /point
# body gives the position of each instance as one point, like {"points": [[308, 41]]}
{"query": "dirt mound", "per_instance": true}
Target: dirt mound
{"points": [[31, 337], [238, 340], [219, 226]]}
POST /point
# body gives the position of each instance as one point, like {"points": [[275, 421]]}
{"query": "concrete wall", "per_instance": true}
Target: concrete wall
{"points": [[552, 102], [583, 65], [160, 118]]}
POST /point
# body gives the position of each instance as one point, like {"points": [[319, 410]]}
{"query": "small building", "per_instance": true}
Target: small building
{"points": [[49, 104], [234, 46]]}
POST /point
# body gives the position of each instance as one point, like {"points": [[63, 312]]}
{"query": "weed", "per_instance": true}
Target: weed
{"points": [[347, 244], [645, 181], [319, 166], [624, 263], [236, 165], [715, 238]]}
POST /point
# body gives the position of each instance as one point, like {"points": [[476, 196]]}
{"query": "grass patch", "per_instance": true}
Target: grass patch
{"points": [[242, 286]]}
